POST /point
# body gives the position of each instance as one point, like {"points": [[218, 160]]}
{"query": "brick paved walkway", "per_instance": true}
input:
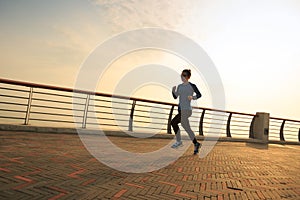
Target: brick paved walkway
{"points": [[57, 166]]}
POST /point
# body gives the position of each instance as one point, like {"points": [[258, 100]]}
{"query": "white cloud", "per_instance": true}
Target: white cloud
{"points": [[131, 14]]}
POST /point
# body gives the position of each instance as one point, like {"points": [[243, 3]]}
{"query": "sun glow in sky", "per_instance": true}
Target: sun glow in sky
{"points": [[255, 45]]}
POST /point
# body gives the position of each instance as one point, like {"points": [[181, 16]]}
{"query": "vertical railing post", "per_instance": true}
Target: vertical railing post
{"points": [[228, 134], [169, 131], [251, 132], [281, 131], [299, 135], [201, 123], [85, 112], [131, 116], [259, 128], [26, 122]]}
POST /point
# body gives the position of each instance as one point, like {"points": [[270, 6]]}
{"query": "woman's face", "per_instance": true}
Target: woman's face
{"points": [[184, 77]]}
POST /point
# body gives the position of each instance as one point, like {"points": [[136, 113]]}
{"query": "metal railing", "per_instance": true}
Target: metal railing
{"points": [[30, 103]]}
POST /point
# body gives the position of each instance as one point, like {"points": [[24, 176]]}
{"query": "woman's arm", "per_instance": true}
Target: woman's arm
{"points": [[198, 94], [175, 92]]}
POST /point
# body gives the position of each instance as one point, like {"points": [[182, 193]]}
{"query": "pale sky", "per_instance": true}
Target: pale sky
{"points": [[255, 45]]}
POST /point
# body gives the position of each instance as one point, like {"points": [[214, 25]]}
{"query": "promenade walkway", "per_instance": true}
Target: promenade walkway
{"points": [[57, 166]]}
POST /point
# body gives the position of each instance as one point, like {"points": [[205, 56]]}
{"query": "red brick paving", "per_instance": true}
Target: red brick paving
{"points": [[57, 166]]}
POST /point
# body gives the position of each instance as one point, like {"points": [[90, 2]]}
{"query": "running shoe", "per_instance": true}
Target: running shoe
{"points": [[196, 148], [177, 144]]}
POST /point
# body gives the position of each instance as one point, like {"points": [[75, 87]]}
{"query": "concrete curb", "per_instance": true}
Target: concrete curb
{"points": [[64, 130]]}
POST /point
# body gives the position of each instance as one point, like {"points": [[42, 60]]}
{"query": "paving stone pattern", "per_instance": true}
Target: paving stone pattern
{"points": [[57, 166]]}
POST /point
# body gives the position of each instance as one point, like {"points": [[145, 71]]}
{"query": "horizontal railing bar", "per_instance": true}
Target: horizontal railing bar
{"points": [[52, 107], [106, 118], [274, 125], [211, 127], [223, 120], [56, 114], [236, 125], [196, 113], [135, 126], [236, 129], [52, 120], [160, 130], [291, 139], [242, 117], [194, 119], [12, 96], [11, 103], [214, 124], [6, 117], [192, 116], [9, 110], [55, 101], [197, 110], [148, 117], [114, 102], [155, 107], [12, 89], [290, 131], [274, 135], [211, 114], [226, 111], [60, 95], [215, 132], [100, 106], [150, 106], [104, 124], [145, 103], [287, 126], [286, 134], [148, 122], [233, 120], [103, 112], [292, 123], [146, 111], [276, 121], [110, 101], [239, 134]]}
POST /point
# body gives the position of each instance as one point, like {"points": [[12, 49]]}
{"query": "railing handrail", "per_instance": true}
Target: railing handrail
{"points": [[290, 120], [64, 89]]}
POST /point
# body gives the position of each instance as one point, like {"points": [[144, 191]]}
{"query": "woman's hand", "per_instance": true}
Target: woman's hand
{"points": [[174, 89], [190, 98]]}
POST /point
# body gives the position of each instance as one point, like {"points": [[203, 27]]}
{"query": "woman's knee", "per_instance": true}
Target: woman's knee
{"points": [[173, 123]]}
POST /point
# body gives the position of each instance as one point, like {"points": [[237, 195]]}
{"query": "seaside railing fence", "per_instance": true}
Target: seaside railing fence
{"points": [[45, 105]]}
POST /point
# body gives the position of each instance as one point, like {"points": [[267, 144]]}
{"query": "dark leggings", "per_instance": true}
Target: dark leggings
{"points": [[183, 118]]}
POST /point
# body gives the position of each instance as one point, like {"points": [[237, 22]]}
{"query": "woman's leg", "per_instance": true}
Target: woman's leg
{"points": [[174, 123], [186, 125], [185, 114]]}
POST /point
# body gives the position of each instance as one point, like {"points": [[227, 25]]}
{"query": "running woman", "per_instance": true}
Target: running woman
{"points": [[185, 92]]}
